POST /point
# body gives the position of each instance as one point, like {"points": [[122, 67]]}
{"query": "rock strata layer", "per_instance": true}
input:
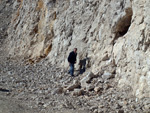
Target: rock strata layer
{"points": [[112, 38]]}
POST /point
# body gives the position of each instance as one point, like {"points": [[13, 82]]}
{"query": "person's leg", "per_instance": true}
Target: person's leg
{"points": [[71, 69], [80, 71]]}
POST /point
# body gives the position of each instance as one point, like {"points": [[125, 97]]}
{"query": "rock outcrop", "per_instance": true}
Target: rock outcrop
{"points": [[112, 35]]}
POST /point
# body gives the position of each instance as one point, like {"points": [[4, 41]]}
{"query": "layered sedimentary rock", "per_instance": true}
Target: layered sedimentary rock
{"points": [[111, 35]]}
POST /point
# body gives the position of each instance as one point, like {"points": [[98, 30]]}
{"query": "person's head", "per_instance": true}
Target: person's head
{"points": [[75, 50]]}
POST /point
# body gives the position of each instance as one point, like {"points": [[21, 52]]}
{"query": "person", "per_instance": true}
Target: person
{"points": [[82, 64], [72, 60]]}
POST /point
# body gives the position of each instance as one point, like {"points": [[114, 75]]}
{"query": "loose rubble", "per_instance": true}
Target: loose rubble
{"points": [[40, 87]]}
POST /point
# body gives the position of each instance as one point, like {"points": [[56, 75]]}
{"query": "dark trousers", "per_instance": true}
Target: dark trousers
{"points": [[71, 70]]}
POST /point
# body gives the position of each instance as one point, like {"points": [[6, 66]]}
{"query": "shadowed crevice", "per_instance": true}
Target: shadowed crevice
{"points": [[123, 24]]}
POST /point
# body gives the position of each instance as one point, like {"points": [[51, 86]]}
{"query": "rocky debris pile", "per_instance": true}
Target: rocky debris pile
{"points": [[47, 88]]}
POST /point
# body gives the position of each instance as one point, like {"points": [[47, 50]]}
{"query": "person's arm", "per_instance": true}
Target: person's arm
{"points": [[69, 57]]}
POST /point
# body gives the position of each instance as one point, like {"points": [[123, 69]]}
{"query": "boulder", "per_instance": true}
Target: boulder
{"points": [[71, 87], [78, 92], [98, 88], [107, 75], [84, 81], [90, 87]]}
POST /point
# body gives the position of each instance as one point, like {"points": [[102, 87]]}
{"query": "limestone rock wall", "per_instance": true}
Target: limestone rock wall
{"points": [[112, 35]]}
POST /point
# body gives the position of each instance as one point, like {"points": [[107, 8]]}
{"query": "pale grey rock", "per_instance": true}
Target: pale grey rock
{"points": [[98, 88], [78, 92], [147, 107], [90, 87], [106, 75], [84, 81], [71, 87]]}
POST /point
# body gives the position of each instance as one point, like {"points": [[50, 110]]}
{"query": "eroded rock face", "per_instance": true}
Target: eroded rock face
{"points": [[107, 32]]}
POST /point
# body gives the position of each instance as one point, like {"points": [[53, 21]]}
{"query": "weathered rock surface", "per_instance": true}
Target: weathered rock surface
{"points": [[112, 38]]}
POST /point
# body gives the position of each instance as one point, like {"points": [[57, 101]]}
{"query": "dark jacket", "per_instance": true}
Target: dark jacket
{"points": [[72, 57]]}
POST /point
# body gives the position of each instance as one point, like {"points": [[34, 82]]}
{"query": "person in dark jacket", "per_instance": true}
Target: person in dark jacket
{"points": [[72, 60]]}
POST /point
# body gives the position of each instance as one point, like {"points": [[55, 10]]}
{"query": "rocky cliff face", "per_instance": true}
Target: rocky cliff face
{"points": [[113, 35]]}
